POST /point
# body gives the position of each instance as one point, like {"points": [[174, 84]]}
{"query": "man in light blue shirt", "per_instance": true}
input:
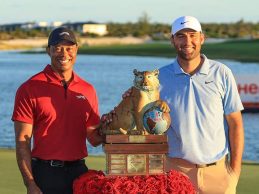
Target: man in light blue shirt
{"points": [[206, 113]]}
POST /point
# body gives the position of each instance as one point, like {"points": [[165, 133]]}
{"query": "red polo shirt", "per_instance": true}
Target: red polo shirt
{"points": [[59, 116]]}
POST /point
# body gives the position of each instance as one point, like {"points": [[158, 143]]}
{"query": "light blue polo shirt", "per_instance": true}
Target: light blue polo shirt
{"points": [[198, 103]]}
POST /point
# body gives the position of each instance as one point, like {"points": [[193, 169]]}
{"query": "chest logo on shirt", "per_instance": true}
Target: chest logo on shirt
{"points": [[207, 82], [81, 97]]}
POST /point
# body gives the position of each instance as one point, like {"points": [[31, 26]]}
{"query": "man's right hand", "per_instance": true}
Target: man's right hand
{"points": [[107, 118], [23, 134], [32, 188]]}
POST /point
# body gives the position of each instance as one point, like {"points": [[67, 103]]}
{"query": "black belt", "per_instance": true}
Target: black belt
{"points": [[205, 165], [59, 163], [188, 164], [211, 164]]}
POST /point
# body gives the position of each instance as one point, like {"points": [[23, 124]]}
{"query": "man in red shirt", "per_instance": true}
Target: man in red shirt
{"points": [[60, 111]]}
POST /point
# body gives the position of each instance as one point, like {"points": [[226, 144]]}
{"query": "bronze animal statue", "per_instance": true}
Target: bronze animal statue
{"points": [[127, 117]]}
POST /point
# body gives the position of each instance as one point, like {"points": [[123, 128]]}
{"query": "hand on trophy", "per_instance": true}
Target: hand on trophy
{"points": [[162, 105], [106, 119]]}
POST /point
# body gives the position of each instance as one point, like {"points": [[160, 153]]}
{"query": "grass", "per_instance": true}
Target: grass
{"points": [[11, 180], [154, 49], [241, 50]]}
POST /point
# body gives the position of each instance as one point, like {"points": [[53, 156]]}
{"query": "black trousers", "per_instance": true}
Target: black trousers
{"points": [[57, 180]]}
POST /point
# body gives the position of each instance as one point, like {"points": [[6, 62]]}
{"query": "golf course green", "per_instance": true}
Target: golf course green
{"points": [[239, 50]]}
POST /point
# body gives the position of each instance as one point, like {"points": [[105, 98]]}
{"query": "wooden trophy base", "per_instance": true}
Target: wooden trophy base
{"points": [[130, 155]]}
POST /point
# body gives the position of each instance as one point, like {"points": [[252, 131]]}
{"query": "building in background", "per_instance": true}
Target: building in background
{"points": [[55, 24], [82, 28], [88, 28]]}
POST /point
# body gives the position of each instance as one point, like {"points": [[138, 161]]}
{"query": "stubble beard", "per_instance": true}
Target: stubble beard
{"points": [[188, 56]]}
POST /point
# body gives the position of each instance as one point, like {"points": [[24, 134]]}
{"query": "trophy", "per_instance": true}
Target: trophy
{"points": [[135, 141]]}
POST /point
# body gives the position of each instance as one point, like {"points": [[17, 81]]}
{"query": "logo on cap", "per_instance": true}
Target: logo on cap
{"points": [[62, 33], [184, 22]]}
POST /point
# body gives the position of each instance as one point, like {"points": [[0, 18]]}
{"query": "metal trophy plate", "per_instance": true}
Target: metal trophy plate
{"points": [[137, 138], [136, 163]]}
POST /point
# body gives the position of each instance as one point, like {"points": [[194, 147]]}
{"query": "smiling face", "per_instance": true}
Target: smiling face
{"points": [[63, 57], [187, 43]]}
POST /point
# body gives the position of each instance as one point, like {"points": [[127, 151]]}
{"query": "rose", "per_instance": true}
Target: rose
{"points": [[108, 188], [92, 187], [162, 183], [96, 182], [87, 182], [129, 187], [179, 183]]}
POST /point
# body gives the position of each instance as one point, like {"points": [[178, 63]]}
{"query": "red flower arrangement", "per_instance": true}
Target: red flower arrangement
{"points": [[95, 182]]}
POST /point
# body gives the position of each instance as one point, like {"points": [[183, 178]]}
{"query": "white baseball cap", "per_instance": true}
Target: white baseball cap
{"points": [[185, 22]]}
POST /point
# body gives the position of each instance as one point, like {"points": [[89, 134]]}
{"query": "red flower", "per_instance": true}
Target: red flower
{"points": [[108, 188], [95, 182], [128, 187]]}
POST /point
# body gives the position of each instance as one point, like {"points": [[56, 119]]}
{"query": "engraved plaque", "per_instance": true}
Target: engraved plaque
{"points": [[156, 171], [156, 163], [115, 161], [117, 156], [136, 163], [137, 138], [155, 156], [118, 167], [117, 171]]}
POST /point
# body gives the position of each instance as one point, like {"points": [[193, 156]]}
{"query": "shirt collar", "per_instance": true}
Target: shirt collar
{"points": [[177, 68], [205, 66], [203, 70], [55, 78]]}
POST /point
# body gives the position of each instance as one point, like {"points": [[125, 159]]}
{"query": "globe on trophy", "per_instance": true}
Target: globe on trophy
{"points": [[156, 121]]}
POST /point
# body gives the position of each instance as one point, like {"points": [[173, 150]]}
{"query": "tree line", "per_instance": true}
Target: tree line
{"points": [[156, 31], [143, 27]]}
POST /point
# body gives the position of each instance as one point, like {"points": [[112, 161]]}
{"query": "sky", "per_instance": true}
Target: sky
{"points": [[102, 11]]}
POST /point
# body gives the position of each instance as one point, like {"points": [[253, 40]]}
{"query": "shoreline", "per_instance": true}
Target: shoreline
{"points": [[34, 43], [236, 50]]}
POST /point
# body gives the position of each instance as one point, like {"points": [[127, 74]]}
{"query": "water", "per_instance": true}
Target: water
{"points": [[111, 76]]}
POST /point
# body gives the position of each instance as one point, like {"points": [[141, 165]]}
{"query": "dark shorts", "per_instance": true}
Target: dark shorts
{"points": [[53, 179]]}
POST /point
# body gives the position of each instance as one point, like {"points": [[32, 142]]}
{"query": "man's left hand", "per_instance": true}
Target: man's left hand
{"points": [[162, 105]]}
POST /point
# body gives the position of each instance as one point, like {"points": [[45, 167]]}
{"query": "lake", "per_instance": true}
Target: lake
{"points": [[111, 76]]}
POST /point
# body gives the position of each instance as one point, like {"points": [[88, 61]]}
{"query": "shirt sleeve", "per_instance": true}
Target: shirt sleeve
{"points": [[232, 101], [92, 124], [23, 106], [94, 116]]}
